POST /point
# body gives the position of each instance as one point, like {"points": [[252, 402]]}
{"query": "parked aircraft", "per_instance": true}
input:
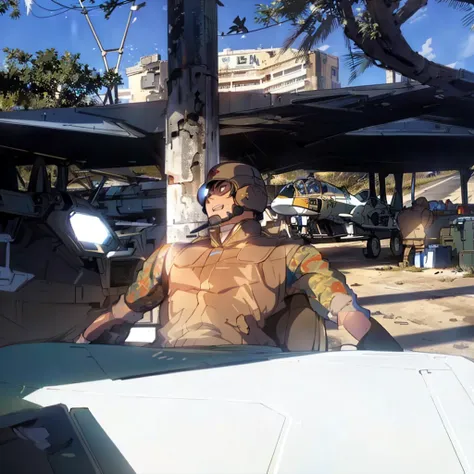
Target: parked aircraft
{"points": [[320, 211]]}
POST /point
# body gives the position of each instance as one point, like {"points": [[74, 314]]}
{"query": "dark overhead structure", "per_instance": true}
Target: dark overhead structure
{"points": [[349, 129]]}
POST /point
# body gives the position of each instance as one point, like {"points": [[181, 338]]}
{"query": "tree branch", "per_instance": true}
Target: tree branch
{"points": [[393, 51], [409, 9]]}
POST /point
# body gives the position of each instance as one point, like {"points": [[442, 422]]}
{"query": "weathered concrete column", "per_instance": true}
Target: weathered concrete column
{"points": [[192, 134]]}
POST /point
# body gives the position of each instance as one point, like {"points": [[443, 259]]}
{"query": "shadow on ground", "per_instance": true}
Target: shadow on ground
{"points": [[418, 295], [439, 336]]}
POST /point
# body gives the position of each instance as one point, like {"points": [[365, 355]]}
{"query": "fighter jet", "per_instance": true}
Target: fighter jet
{"points": [[319, 211]]}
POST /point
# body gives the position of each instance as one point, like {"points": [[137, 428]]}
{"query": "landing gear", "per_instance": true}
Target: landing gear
{"points": [[373, 248], [396, 245]]}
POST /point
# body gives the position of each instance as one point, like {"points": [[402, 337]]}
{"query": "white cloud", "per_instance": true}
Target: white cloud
{"points": [[29, 6], [468, 48], [452, 65], [134, 20], [427, 50], [243, 37], [324, 47], [419, 15]]}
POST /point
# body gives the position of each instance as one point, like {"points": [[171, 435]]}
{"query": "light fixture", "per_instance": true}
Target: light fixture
{"points": [[89, 229]]}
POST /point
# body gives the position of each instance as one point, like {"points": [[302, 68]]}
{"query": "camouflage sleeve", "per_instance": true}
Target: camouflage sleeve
{"points": [[326, 288], [148, 291]]}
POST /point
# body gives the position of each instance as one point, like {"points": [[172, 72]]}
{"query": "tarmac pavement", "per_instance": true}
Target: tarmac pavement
{"points": [[428, 311]]}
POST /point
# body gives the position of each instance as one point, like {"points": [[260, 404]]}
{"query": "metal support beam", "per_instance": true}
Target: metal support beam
{"points": [[192, 132], [372, 187], [465, 175], [397, 202], [413, 187], [383, 187], [63, 176]]}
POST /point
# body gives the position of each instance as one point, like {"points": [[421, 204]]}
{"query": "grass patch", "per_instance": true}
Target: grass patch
{"points": [[356, 182], [387, 269], [413, 269], [469, 274], [447, 280]]}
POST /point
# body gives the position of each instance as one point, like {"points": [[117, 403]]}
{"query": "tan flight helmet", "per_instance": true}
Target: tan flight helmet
{"points": [[250, 193]]}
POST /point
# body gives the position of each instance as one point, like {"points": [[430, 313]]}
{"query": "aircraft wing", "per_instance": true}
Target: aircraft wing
{"points": [[336, 412]]}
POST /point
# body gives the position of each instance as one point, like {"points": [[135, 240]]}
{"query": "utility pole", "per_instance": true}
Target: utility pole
{"points": [[134, 8], [192, 127]]}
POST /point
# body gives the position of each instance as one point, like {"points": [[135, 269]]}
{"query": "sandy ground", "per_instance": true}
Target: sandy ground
{"points": [[430, 311]]}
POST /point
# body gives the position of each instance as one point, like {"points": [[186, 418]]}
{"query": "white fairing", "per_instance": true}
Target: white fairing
{"points": [[284, 207], [353, 201], [332, 413]]}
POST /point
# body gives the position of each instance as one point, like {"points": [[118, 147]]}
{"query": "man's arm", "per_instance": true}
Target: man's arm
{"points": [[326, 290], [143, 295], [427, 218]]}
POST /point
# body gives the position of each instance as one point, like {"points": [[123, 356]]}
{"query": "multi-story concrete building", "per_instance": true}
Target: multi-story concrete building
{"points": [[147, 79], [392, 77], [266, 70], [275, 71]]}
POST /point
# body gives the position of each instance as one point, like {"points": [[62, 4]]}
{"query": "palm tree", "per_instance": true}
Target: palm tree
{"points": [[373, 35]]}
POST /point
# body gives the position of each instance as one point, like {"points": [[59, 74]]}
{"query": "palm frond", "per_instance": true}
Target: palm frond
{"points": [[357, 62], [312, 34], [468, 20], [463, 5]]}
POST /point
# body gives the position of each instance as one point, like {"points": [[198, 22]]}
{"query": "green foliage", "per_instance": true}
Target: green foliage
{"points": [[357, 62], [46, 79], [108, 6], [314, 20]]}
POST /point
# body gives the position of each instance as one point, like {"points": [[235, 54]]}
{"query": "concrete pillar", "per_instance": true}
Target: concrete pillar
{"points": [[192, 133]]}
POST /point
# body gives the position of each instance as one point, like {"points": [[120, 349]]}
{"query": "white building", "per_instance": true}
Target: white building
{"points": [[267, 70]]}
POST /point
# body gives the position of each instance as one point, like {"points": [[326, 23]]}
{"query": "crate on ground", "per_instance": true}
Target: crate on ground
{"points": [[435, 256]]}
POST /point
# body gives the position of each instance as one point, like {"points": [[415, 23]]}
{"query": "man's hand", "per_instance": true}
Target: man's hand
{"points": [[82, 340], [111, 327]]}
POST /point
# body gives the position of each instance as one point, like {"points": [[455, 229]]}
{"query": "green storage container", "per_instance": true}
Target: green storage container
{"points": [[462, 232], [446, 239], [466, 260]]}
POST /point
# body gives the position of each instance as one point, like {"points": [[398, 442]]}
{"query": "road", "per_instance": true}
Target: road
{"points": [[441, 190]]}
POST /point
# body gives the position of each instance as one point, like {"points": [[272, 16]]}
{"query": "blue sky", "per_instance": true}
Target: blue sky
{"points": [[436, 30]]}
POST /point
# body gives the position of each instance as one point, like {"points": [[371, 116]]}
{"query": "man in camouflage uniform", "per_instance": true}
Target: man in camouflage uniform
{"points": [[237, 285]]}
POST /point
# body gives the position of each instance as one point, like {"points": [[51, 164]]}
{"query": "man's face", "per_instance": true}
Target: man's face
{"points": [[219, 200]]}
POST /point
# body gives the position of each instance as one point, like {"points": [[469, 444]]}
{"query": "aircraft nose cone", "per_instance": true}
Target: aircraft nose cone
{"points": [[283, 206]]}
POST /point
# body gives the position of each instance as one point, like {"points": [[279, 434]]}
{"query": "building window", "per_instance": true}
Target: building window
{"points": [[293, 69], [278, 74], [333, 72]]}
